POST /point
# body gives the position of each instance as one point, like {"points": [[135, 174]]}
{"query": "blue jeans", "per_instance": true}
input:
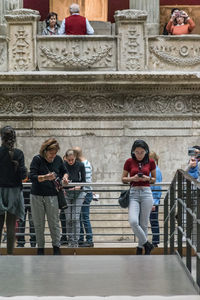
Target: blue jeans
{"points": [[155, 226], [85, 219], [140, 206]]}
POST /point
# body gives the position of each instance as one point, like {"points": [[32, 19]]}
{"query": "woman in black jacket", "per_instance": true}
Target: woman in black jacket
{"points": [[13, 171], [44, 169], [75, 197]]}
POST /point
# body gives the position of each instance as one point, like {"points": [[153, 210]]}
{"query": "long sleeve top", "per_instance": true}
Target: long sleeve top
{"points": [[39, 166], [157, 190], [180, 29], [10, 175]]}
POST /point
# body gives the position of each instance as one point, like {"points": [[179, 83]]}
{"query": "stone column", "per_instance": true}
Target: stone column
{"points": [[153, 9], [5, 7], [22, 30], [130, 29]]}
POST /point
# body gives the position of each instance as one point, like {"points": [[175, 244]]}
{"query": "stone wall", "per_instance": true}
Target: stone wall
{"points": [[139, 87]]}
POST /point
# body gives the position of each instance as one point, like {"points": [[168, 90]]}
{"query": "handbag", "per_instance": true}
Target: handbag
{"points": [[62, 202], [123, 199]]}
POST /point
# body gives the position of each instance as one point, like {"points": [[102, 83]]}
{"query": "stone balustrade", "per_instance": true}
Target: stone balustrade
{"points": [[130, 49]]}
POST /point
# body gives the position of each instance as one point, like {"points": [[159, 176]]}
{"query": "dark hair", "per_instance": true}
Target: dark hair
{"points": [[196, 147], [51, 14], [50, 144], [142, 144], [173, 9], [8, 137]]}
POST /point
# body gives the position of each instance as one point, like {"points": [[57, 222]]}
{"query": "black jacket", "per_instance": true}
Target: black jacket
{"points": [[39, 166], [10, 175]]}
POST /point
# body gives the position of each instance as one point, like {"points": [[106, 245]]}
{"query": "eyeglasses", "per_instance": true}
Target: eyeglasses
{"points": [[140, 152]]}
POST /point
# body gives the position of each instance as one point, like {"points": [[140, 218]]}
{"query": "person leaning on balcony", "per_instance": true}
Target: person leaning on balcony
{"points": [[13, 171], [52, 26], [157, 192], [137, 170], [44, 169], [75, 24], [180, 23]]}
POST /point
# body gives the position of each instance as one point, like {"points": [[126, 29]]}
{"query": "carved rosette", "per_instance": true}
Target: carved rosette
{"points": [[169, 54], [84, 105]]}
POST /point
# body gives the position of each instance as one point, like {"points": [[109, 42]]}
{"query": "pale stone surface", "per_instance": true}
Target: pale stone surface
{"points": [[153, 9], [22, 29], [76, 53], [130, 28], [3, 54]]}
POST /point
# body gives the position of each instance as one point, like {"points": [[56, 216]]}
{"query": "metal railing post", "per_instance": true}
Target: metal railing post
{"points": [[172, 215], [166, 226], [189, 223], [180, 211]]}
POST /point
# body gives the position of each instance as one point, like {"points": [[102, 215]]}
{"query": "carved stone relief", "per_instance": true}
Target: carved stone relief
{"points": [[3, 56], [77, 54], [174, 54], [83, 105], [22, 49]]}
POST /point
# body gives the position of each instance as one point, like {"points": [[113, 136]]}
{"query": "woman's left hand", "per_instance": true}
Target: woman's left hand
{"points": [[65, 179], [145, 178]]}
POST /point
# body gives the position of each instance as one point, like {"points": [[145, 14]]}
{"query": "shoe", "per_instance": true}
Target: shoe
{"points": [[148, 248], [33, 245], [87, 244], [40, 251], [80, 242], [20, 245], [139, 251], [155, 245], [63, 240], [56, 250]]}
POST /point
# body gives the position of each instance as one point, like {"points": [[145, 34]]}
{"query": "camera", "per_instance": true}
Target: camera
{"points": [[140, 174], [191, 151]]}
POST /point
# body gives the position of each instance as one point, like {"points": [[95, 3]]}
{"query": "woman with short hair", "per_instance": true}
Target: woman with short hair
{"points": [[13, 171], [44, 169]]}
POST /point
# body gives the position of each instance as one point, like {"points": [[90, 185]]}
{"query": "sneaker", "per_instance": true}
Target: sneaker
{"points": [[20, 245], [80, 243], [87, 244], [63, 240]]}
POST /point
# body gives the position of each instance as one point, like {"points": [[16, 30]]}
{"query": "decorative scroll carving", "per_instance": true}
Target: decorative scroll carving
{"points": [[75, 57], [21, 50], [22, 15], [133, 60], [84, 105], [130, 14], [184, 61]]}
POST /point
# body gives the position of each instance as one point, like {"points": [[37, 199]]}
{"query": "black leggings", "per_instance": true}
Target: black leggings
{"points": [[10, 225]]}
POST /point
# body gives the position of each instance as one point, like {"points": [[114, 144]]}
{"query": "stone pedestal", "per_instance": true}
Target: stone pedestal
{"points": [[130, 28], [22, 30], [5, 7], [153, 9]]}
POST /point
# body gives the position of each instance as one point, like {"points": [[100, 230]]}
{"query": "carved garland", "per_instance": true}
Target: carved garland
{"points": [[76, 61], [184, 62]]}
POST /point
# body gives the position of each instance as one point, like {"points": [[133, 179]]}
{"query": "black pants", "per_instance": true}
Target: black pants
{"points": [[10, 225], [154, 220]]}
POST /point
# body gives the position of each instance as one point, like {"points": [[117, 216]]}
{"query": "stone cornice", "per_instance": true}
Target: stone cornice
{"points": [[22, 15], [130, 14], [134, 78]]}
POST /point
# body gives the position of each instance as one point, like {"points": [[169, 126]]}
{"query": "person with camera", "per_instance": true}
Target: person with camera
{"points": [[137, 170], [52, 26], [13, 171], [180, 23], [46, 172], [75, 197]]}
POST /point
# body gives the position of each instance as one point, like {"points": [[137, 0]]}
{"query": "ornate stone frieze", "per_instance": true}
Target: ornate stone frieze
{"points": [[176, 54], [83, 105], [76, 54], [130, 14], [76, 58]]}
